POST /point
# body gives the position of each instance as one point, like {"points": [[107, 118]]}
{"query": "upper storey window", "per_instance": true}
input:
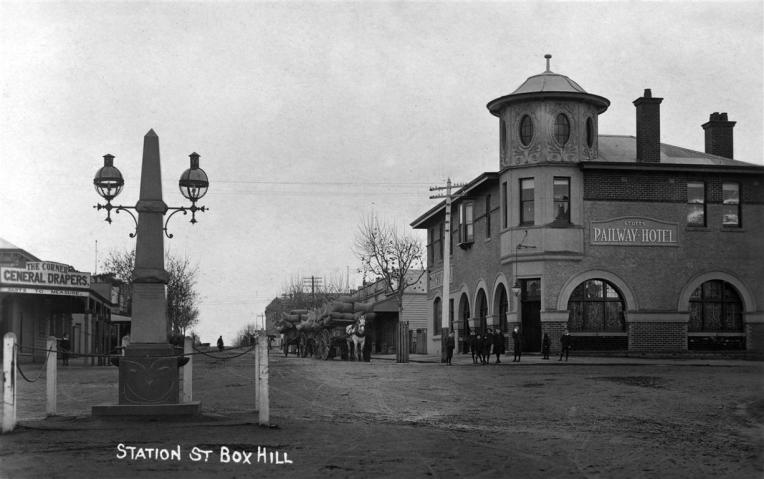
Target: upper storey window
{"points": [[561, 129], [731, 199], [526, 130], [526, 201], [696, 203]]}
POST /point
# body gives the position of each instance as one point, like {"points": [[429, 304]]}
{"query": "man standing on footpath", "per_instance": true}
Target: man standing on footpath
{"points": [[565, 343], [517, 339]]}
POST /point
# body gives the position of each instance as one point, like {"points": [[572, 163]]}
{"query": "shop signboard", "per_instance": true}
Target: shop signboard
{"points": [[41, 277], [633, 231]]}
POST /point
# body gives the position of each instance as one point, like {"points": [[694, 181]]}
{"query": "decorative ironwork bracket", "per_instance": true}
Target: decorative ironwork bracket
{"points": [[108, 207], [178, 209]]}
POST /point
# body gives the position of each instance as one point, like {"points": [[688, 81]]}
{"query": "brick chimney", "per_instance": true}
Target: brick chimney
{"points": [[648, 128], [719, 135]]}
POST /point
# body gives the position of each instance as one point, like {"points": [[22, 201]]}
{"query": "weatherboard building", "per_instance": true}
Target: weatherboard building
{"points": [[629, 243]]}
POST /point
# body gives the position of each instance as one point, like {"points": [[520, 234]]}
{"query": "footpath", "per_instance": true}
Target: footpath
{"points": [[536, 359]]}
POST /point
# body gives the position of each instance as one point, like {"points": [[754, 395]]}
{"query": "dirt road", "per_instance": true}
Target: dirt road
{"points": [[591, 417]]}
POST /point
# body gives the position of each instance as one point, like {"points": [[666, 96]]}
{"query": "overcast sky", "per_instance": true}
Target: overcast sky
{"points": [[309, 116]]}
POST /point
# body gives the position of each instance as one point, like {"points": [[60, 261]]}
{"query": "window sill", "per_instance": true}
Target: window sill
{"points": [[716, 334], [598, 333]]}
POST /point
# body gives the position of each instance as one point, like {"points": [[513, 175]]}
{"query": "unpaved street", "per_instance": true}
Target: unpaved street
{"points": [[591, 417]]}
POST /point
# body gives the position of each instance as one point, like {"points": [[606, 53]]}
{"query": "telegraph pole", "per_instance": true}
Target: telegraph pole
{"points": [[446, 264]]}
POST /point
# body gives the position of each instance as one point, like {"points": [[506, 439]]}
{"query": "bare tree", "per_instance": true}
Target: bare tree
{"points": [[182, 297], [391, 255]]}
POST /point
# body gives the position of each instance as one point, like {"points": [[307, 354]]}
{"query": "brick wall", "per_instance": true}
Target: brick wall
{"points": [[657, 337], [755, 337], [554, 330]]}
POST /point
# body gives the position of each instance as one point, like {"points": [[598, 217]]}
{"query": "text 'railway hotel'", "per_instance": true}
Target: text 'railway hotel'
{"points": [[629, 243]]}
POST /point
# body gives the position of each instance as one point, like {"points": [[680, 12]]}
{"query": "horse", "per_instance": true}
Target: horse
{"points": [[357, 338]]}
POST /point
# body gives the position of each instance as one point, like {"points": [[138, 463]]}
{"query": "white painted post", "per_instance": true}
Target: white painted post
{"points": [[51, 376], [257, 371], [188, 371], [262, 353], [9, 382]]}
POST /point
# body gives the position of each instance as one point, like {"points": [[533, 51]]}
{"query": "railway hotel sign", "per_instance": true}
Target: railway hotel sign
{"points": [[633, 231], [44, 278]]}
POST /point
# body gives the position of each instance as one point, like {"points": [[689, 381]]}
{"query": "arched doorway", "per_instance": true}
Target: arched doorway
{"points": [[716, 317], [596, 306], [464, 315], [481, 312], [501, 306], [437, 317]]}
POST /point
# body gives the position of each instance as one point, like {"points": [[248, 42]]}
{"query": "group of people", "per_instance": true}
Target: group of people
{"points": [[492, 342], [483, 346]]}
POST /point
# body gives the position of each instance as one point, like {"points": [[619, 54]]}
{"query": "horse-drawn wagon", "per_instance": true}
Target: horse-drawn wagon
{"points": [[337, 328]]}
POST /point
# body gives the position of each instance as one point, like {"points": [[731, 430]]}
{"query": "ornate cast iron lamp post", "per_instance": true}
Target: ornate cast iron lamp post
{"points": [[148, 372]]}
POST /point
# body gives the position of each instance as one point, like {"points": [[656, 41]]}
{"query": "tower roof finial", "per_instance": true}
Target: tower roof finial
{"points": [[548, 57]]}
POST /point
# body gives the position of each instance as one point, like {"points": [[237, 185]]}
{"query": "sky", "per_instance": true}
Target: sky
{"points": [[311, 116]]}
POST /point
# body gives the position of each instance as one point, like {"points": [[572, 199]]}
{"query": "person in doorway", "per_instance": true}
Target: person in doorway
{"points": [[517, 342], [498, 345], [565, 343], [65, 347], [545, 344], [450, 345], [220, 343]]}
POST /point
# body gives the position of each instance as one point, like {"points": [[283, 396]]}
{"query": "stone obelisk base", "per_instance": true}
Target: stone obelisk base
{"points": [[148, 384]]}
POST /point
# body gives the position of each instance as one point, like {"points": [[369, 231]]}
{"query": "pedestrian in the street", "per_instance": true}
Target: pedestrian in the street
{"points": [[479, 348], [450, 345], [65, 346], [473, 342], [545, 344], [220, 343], [565, 342], [498, 345], [517, 340], [487, 342]]}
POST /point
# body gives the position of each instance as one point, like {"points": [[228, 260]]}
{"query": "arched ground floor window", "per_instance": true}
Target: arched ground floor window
{"points": [[597, 307], [716, 317]]}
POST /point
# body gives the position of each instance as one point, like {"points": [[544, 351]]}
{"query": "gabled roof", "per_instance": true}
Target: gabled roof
{"points": [[7, 244], [462, 192]]}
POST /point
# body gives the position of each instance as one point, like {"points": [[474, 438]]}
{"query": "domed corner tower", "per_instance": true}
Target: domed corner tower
{"points": [[547, 119]]}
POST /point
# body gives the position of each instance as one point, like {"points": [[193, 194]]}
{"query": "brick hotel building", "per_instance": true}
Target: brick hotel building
{"points": [[629, 243]]}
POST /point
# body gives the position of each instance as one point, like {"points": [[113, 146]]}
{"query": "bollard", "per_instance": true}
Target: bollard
{"points": [[262, 354], [188, 371], [9, 382], [257, 372], [51, 376]]}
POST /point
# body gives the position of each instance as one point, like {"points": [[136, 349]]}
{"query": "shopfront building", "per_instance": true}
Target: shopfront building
{"points": [[39, 299]]}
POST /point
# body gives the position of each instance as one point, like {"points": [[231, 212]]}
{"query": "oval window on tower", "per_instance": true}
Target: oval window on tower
{"points": [[589, 132], [561, 129], [526, 130]]}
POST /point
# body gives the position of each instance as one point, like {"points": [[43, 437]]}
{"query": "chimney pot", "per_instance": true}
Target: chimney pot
{"points": [[718, 131], [648, 127]]}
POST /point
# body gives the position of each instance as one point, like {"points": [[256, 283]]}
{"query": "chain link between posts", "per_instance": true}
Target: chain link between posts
{"points": [[42, 369]]}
